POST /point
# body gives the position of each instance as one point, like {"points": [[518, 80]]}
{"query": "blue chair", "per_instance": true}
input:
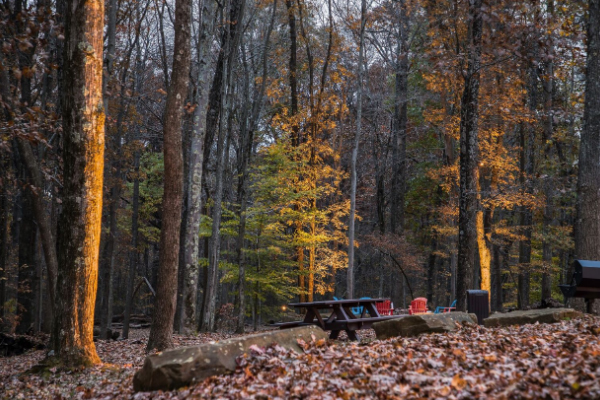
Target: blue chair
{"points": [[441, 309], [355, 310], [359, 310]]}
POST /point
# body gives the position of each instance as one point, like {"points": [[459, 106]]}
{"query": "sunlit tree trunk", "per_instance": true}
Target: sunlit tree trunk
{"points": [[166, 289], [469, 158], [485, 252], [107, 271], [79, 224]]}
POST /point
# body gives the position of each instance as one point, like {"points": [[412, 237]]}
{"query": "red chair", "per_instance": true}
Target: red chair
{"points": [[385, 308], [418, 306]]}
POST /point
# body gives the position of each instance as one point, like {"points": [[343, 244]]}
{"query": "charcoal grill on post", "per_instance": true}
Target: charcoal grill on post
{"points": [[585, 282]]}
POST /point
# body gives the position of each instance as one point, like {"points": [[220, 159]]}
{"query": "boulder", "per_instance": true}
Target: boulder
{"points": [[414, 325], [546, 315], [184, 366]]}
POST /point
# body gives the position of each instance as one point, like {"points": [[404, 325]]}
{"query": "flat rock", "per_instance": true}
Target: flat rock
{"points": [[184, 366], [545, 315], [414, 325]]}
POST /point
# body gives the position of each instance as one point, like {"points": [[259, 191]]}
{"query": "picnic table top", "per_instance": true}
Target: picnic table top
{"points": [[327, 303]]}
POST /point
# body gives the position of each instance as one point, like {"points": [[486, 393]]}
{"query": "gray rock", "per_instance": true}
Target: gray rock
{"points": [[414, 325], [184, 366], [546, 315]]}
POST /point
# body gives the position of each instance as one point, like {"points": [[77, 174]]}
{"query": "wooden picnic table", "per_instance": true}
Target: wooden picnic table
{"points": [[341, 317]]}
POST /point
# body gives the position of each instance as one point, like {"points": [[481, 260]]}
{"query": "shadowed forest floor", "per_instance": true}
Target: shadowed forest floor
{"points": [[545, 361]]}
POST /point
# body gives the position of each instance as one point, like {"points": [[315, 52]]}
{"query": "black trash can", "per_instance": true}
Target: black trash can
{"points": [[478, 302]]}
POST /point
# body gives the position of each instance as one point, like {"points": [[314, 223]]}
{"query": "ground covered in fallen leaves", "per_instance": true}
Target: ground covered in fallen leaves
{"points": [[542, 361]]}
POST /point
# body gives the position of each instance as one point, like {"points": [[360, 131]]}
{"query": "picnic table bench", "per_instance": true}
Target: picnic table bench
{"points": [[341, 317]]}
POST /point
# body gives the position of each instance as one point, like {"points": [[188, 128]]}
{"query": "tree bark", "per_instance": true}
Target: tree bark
{"points": [[27, 265], [587, 224], [41, 216], [469, 159], [166, 290], [229, 49], [246, 146], [196, 162], [79, 224], [4, 217], [353, 177], [106, 286], [399, 122], [548, 182], [133, 251]]}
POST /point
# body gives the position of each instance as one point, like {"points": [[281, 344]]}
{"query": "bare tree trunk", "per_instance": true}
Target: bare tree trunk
{"points": [[166, 290], [399, 122], [587, 224], [79, 224], [196, 162], [4, 217], [293, 82], [36, 180], [469, 158], [106, 286], [27, 265], [41, 217], [248, 140], [232, 36], [548, 190], [526, 218], [496, 280], [133, 252], [526, 180], [353, 178]]}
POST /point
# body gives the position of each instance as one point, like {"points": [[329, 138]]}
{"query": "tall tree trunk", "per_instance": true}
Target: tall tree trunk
{"points": [[133, 251], [399, 122], [166, 290], [247, 144], [484, 237], [229, 49], [41, 216], [469, 159], [208, 321], [587, 224], [4, 217], [79, 224], [293, 82], [196, 162], [548, 190], [27, 265], [496, 280], [431, 271], [35, 177], [353, 178], [527, 144], [526, 180], [106, 281]]}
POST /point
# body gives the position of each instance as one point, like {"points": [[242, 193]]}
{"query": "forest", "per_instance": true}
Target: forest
{"points": [[194, 166]]}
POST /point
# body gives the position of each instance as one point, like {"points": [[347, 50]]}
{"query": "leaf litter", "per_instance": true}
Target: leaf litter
{"points": [[540, 361]]}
